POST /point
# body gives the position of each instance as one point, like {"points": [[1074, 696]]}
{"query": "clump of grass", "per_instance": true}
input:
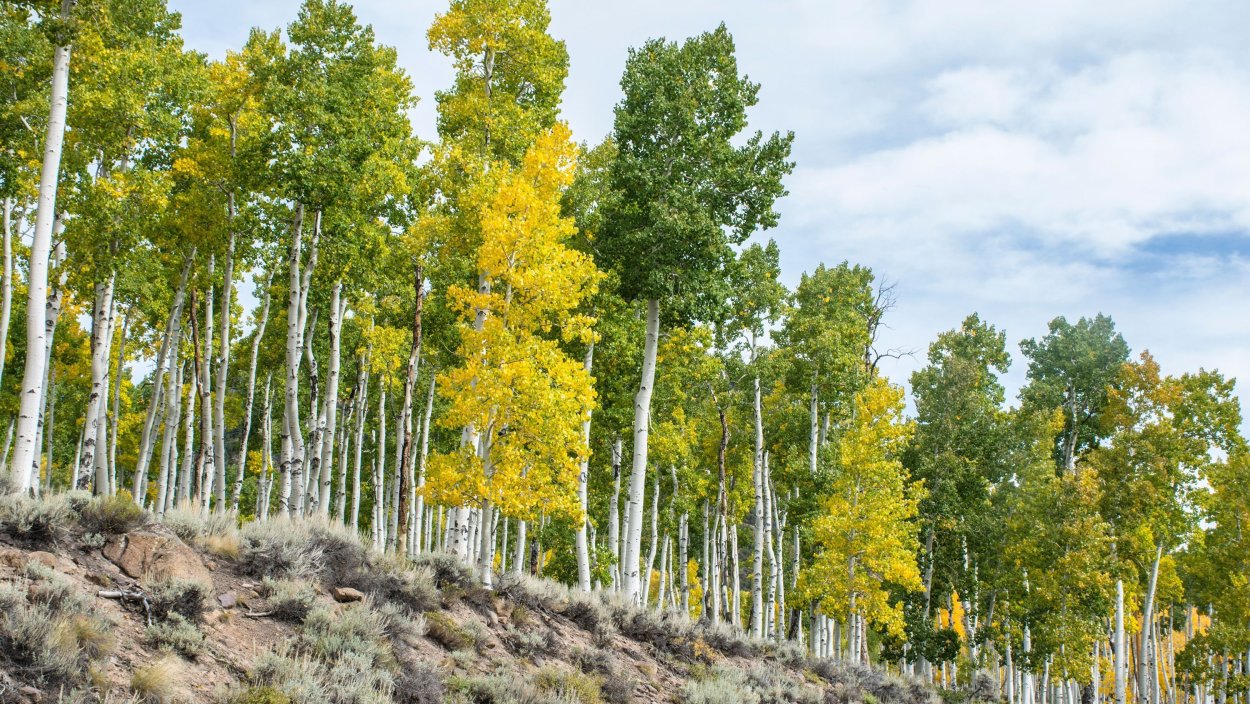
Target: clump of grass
{"points": [[35, 522], [386, 580], [569, 686], [447, 633], [725, 685], [419, 683], [183, 597], [191, 525], [259, 695], [288, 599], [111, 515], [175, 634], [300, 550], [49, 636], [588, 612], [156, 683], [527, 643]]}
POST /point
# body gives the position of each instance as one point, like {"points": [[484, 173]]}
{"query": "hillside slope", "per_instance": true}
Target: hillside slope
{"points": [[99, 602]]}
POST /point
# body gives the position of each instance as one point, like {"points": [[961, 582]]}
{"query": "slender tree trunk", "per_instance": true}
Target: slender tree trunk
{"points": [[26, 451], [337, 311], [422, 528], [638, 473], [757, 558], [264, 484], [379, 479], [583, 477], [51, 317], [655, 539], [614, 517], [664, 572], [813, 450], [168, 342], [6, 293], [407, 485], [173, 396], [683, 558], [223, 369], [1145, 660], [188, 429], [296, 317], [521, 547], [362, 383], [257, 336], [100, 338], [50, 394], [117, 405]]}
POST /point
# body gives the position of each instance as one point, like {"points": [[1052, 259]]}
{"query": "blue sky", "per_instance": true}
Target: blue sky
{"points": [[1018, 159]]}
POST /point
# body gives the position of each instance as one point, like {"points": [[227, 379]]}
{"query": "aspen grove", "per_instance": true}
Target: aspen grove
{"points": [[246, 286]]}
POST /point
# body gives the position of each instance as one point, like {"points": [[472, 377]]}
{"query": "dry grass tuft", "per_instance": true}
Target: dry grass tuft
{"points": [[157, 683]]}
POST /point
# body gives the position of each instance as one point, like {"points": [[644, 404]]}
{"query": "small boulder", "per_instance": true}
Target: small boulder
{"points": [[149, 554], [228, 600], [46, 559], [346, 594]]}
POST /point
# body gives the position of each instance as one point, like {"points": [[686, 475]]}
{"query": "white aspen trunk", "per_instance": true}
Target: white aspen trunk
{"points": [[614, 517], [392, 529], [813, 450], [1145, 660], [683, 559], [207, 463], [757, 558], [767, 628], [714, 572], [521, 549], [1027, 688], [1121, 659], [188, 429], [50, 394], [117, 407], [26, 451], [362, 383], [168, 342], [337, 310], [486, 542], [735, 592], [223, 369], [422, 529], [51, 317], [167, 482], [8, 442], [583, 478], [638, 473], [379, 479], [6, 295], [296, 316], [317, 423], [100, 337], [257, 336], [264, 488], [664, 565], [655, 539]]}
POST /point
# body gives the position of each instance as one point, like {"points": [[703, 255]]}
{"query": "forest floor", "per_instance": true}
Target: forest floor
{"points": [[97, 607]]}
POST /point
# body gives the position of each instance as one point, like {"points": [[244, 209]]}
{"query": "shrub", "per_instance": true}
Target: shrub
{"points": [[590, 614], [34, 521], [183, 597], [260, 695], [156, 683], [724, 686], [568, 685], [414, 589], [532, 592], [419, 683], [355, 631], [447, 633], [175, 634], [49, 641], [449, 570], [303, 550], [617, 688], [191, 525], [111, 515], [288, 599], [727, 639], [53, 591], [527, 643]]}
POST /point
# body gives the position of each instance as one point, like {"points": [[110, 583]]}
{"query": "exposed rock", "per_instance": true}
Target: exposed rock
{"points": [[346, 594], [31, 693], [148, 554], [46, 559], [228, 600]]}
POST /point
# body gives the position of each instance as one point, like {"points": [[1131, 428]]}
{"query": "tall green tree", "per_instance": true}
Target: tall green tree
{"points": [[683, 193]]}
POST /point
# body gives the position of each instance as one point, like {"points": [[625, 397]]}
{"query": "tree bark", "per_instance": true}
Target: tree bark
{"points": [[26, 450], [407, 485], [362, 402], [257, 336], [100, 338], [296, 317], [117, 405], [638, 472], [168, 342], [757, 559], [52, 316], [422, 527], [614, 517], [6, 289], [583, 477], [337, 311], [653, 544], [1145, 662]]}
